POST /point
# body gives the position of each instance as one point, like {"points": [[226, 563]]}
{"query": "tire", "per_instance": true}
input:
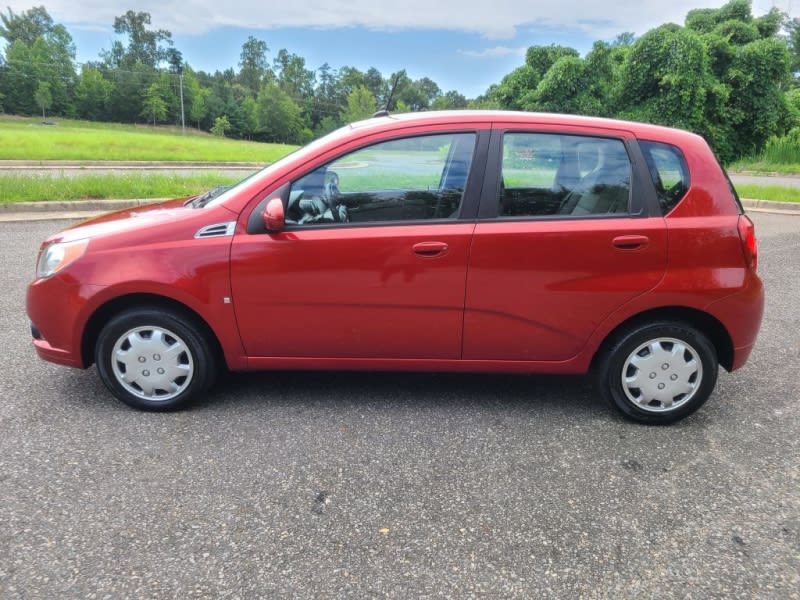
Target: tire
{"points": [[658, 373], [155, 359]]}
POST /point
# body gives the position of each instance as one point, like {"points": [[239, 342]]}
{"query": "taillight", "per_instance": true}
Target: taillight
{"points": [[747, 233]]}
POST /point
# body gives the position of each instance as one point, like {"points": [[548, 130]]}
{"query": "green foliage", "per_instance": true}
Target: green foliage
{"points": [[221, 125], [253, 64], [783, 150], [541, 58], [145, 46], [737, 32], [560, 89], [43, 97], [153, 105], [92, 95], [452, 100], [279, 117], [360, 105], [27, 26]]}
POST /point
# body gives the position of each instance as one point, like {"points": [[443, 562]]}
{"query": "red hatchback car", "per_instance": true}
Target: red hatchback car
{"points": [[456, 241]]}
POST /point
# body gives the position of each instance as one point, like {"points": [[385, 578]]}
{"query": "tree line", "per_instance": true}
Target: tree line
{"points": [[724, 74], [143, 77]]}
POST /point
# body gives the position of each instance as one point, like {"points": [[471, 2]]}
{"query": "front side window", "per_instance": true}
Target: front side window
{"points": [[545, 174], [409, 179]]}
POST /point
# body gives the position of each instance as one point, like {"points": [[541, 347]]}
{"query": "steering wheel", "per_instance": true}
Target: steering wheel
{"points": [[331, 194]]}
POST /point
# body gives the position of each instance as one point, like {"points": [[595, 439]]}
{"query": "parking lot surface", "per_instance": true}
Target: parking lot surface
{"points": [[336, 485]]}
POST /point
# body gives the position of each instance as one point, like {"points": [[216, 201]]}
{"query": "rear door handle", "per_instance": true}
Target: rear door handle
{"points": [[430, 248], [631, 242]]}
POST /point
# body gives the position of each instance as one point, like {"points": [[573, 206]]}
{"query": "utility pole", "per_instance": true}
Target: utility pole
{"points": [[183, 123]]}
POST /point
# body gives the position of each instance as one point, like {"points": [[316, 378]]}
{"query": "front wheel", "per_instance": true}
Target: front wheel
{"points": [[658, 373], [154, 359]]}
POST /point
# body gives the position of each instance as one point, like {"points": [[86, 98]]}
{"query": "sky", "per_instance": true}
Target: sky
{"points": [[465, 45]]}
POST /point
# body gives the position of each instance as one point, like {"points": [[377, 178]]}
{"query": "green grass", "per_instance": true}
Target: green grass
{"points": [[775, 193], [762, 167], [27, 188], [28, 139]]}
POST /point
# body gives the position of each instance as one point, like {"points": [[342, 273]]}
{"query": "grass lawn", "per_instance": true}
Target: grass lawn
{"points": [[776, 193], [760, 167], [27, 188], [28, 139]]}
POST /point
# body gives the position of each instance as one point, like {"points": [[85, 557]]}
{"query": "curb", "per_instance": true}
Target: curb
{"points": [[772, 206], [73, 205]]}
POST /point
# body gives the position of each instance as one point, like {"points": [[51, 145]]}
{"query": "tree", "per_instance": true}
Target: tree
{"points": [[145, 46], [38, 50], [221, 125], [452, 100], [292, 75], [253, 64], [93, 95], [244, 122], [43, 97], [153, 104], [20, 80], [27, 26], [360, 105], [279, 117]]}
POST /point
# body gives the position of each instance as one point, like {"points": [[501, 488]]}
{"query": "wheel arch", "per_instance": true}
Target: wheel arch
{"points": [[710, 326], [109, 309]]}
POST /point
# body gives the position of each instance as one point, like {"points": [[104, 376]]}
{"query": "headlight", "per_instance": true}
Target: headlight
{"points": [[57, 256]]}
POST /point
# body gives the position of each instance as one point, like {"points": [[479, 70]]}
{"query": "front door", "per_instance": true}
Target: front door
{"points": [[372, 263]]}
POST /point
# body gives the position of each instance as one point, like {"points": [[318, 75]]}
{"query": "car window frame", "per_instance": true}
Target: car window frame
{"points": [[642, 200], [469, 203]]}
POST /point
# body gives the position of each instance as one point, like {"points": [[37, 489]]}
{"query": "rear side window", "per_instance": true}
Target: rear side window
{"points": [[668, 171], [555, 175]]}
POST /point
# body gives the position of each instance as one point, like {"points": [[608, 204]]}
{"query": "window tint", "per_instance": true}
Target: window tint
{"points": [[547, 174], [401, 180], [669, 172]]}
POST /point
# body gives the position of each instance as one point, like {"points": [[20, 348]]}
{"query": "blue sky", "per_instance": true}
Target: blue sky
{"points": [[461, 44]]}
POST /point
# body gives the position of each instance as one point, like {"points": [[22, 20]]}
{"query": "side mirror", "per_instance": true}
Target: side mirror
{"points": [[274, 219]]}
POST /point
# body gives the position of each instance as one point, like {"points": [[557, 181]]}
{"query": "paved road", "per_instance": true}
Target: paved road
{"points": [[399, 486], [782, 180]]}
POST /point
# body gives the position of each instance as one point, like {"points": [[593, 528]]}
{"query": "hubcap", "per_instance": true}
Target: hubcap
{"points": [[152, 363], [662, 375]]}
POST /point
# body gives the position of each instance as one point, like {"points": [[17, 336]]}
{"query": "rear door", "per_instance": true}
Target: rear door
{"points": [[564, 238]]}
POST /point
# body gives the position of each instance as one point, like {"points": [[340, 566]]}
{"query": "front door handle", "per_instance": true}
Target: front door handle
{"points": [[430, 248], [631, 242]]}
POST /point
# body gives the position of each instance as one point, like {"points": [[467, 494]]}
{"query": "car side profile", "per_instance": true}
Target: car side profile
{"points": [[479, 241]]}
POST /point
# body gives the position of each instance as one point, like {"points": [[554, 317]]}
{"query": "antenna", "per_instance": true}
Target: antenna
{"points": [[385, 111]]}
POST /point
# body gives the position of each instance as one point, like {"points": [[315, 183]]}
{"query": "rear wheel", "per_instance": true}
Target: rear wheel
{"points": [[154, 359], [658, 373]]}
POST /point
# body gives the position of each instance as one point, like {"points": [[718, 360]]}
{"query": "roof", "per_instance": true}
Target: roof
{"points": [[643, 130]]}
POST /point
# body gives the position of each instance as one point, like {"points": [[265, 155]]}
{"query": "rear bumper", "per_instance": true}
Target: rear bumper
{"points": [[741, 314]]}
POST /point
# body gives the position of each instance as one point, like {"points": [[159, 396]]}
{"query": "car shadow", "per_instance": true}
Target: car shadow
{"points": [[551, 393]]}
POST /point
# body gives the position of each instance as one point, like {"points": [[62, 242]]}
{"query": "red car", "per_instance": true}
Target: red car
{"points": [[453, 241]]}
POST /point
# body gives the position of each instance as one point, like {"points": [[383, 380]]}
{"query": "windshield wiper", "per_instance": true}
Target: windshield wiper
{"points": [[203, 199]]}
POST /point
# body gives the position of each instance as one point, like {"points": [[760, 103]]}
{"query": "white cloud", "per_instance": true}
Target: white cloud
{"points": [[497, 19], [496, 52]]}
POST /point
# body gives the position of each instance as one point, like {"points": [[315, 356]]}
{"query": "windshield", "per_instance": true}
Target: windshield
{"points": [[218, 196]]}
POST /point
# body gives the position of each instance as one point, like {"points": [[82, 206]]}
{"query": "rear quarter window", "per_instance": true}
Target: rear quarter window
{"points": [[669, 172]]}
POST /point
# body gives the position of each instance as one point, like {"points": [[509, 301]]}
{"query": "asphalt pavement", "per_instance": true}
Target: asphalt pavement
{"points": [[337, 485]]}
